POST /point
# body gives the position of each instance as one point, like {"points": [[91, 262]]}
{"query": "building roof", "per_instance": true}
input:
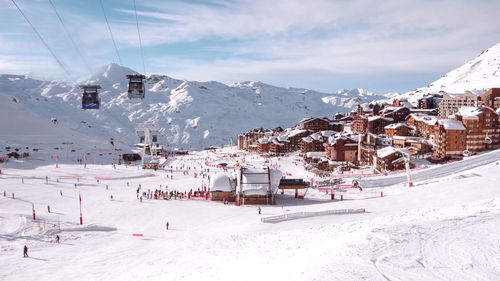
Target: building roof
{"points": [[276, 142], [428, 119], [316, 136], [450, 124], [333, 139], [255, 181], [396, 126], [263, 140], [295, 132], [309, 119], [386, 151], [220, 182], [282, 138], [392, 109], [307, 139], [471, 111], [373, 118], [328, 133]]}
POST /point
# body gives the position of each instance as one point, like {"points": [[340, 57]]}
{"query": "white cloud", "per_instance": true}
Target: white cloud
{"points": [[358, 37]]}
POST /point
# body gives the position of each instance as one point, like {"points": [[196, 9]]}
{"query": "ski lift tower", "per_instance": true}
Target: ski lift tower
{"points": [[148, 143], [407, 158]]}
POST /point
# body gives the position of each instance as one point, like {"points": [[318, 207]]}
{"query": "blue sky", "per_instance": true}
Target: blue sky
{"points": [[325, 45]]}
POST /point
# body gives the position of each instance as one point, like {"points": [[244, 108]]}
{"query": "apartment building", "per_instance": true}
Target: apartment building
{"points": [[450, 103], [483, 127], [491, 98], [450, 138]]}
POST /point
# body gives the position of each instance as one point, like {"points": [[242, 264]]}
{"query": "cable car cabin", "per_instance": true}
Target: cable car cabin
{"points": [[90, 97], [136, 86]]}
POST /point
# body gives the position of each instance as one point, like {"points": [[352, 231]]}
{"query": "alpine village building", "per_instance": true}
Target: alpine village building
{"points": [[466, 123]]}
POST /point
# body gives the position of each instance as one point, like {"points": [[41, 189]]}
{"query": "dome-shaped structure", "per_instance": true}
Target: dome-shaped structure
{"points": [[220, 182]]}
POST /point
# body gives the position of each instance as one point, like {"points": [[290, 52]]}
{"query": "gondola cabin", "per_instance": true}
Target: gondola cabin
{"points": [[136, 86], [90, 97]]}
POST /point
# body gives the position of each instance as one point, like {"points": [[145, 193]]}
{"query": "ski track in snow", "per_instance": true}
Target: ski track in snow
{"points": [[410, 234]]}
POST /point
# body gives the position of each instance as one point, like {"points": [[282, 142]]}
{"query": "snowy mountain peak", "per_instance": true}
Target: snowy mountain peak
{"points": [[477, 75], [110, 72]]}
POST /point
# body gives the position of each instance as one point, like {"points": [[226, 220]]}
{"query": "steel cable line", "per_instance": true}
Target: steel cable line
{"points": [[43, 41], [70, 38], [111, 33], [140, 41]]}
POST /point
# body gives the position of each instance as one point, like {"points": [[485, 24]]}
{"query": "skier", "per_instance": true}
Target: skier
{"points": [[25, 251], [60, 192], [141, 199], [259, 210], [167, 225], [48, 208], [4, 193], [12, 195], [111, 197], [57, 239]]}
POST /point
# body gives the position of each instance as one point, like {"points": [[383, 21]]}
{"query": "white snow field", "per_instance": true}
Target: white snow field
{"points": [[441, 229]]}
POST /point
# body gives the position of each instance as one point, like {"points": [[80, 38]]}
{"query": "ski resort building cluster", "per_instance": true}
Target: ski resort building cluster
{"points": [[438, 126]]}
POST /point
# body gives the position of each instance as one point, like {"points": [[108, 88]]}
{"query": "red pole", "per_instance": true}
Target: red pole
{"points": [[33, 208], [80, 197], [381, 194], [333, 196], [341, 197]]}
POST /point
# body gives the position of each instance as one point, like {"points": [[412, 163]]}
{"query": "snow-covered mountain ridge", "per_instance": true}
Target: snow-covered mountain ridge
{"points": [[191, 114], [477, 75]]}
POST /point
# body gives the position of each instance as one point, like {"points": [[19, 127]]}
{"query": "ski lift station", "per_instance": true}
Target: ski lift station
{"points": [[246, 186], [257, 185], [151, 148], [222, 188]]}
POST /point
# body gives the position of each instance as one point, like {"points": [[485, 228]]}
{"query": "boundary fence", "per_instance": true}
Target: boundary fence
{"points": [[299, 215]]}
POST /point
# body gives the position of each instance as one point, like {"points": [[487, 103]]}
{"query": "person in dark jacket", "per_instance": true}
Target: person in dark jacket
{"points": [[25, 251]]}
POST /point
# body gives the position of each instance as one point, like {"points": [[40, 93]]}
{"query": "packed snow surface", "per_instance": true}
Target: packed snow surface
{"points": [[445, 227]]}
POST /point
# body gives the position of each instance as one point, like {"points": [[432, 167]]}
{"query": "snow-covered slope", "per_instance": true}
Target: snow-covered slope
{"points": [[477, 75], [190, 114]]}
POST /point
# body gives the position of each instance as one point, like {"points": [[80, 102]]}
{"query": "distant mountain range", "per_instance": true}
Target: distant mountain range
{"points": [[194, 115], [191, 115]]}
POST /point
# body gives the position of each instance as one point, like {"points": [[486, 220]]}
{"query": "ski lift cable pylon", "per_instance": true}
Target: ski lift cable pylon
{"points": [[71, 38], [43, 41], [140, 40], [110, 32]]}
